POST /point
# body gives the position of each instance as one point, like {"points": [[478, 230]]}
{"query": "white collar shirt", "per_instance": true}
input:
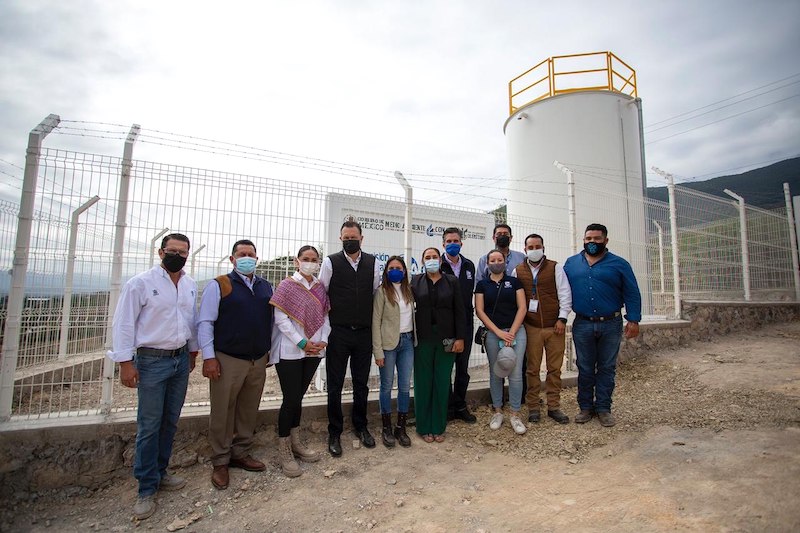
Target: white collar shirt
{"points": [[153, 312]]}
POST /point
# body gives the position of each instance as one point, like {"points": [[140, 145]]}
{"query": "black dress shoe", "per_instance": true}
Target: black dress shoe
{"points": [[558, 415], [465, 415], [365, 437], [334, 445], [534, 416]]}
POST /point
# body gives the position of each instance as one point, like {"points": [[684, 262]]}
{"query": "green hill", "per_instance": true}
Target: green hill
{"points": [[761, 187]]}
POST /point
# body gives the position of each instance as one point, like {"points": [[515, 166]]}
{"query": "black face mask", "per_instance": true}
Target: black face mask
{"points": [[173, 262], [503, 241], [594, 248], [351, 246]]}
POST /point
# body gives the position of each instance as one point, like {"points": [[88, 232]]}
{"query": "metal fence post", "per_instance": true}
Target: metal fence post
{"points": [[660, 253], [673, 230], [745, 245], [787, 195], [66, 304], [573, 224], [116, 266], [409, 208], [153, 242], [16, 296], [202, 246]]}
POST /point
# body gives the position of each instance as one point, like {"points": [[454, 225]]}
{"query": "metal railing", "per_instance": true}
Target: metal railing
{"points": [[595, 71]]}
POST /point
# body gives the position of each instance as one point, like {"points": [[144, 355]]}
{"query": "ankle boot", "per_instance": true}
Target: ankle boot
{"points": [[386, 434], [299, 449], [289, 466], [400, 430]]}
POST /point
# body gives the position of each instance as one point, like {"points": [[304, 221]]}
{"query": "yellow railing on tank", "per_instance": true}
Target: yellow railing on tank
{"points": [[595, 71]]}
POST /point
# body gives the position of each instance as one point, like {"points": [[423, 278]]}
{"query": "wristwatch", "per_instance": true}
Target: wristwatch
{"points": [[564, 320]]}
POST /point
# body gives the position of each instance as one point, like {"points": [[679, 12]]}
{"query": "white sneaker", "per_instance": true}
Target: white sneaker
{"points": [[519, 427], [497, 421]]}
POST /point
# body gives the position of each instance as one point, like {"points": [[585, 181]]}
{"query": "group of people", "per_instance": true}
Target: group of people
{"points": [[347, 309]]}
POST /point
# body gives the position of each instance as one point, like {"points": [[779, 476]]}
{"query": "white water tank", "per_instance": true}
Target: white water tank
{"points": [[593, 130]]}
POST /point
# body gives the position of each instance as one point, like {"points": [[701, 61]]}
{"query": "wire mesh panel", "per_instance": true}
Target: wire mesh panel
{"points": [[68, 284], [710, 246], [769, 248]]}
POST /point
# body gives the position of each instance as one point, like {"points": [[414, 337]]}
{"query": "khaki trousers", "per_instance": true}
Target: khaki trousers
{"points": [[235, 398], [539, 340]]}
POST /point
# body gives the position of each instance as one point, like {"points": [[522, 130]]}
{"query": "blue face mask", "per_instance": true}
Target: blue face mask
{"points": [[395, 276], [432, 266], [245, 265], [453, 249]]}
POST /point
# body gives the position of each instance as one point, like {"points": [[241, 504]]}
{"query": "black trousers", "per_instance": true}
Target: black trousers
{"points": [[295, 375], [458, 389], [356, 345]]}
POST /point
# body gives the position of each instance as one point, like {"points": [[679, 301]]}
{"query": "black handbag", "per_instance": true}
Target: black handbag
{"points": [[480, 335]]}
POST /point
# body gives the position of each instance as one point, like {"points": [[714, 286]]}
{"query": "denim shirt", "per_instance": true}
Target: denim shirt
{"points": [[603, 288]]}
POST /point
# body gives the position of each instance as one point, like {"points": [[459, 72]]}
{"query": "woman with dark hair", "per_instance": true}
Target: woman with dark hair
{"points": [[500, 304], [441, 326], [393, 346], [298, 342]]}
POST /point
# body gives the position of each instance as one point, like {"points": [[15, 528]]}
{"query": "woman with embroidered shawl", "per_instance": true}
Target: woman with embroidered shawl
{"points": [[298, 342]]}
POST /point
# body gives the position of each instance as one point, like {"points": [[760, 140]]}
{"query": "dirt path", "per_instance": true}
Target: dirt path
{"points": [[708, 439]]}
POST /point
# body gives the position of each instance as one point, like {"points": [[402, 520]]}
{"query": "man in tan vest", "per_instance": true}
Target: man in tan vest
{"points": [[549, 303]]}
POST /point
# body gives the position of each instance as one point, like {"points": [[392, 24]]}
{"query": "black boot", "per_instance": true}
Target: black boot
{"points": [[386, 434], [400, 430]]}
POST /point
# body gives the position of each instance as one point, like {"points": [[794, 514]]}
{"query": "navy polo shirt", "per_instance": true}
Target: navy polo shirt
{"points": [[506, 310]]}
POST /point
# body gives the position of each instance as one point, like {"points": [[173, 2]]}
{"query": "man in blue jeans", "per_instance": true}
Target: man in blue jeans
{"points": [[601, 284], [155, 343]]}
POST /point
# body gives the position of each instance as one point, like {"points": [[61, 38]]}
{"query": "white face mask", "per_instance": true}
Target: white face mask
{"points": [[534, 256], [308, 268]]}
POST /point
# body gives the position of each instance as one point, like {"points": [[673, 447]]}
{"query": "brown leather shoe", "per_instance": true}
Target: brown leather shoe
{"points": [[219, 477], [247, 463], [584, 416], [606, 419]]}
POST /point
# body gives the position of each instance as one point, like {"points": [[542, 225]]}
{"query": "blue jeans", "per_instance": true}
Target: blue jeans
{"points": [[162, 390], [403, 358], [596, 348], [514, 379]]}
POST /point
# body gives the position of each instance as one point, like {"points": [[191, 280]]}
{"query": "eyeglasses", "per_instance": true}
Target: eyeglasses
{"points": [[182, 253]]}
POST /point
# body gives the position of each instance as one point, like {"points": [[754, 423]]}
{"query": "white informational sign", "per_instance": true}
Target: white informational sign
{"points": [[383, 226]]}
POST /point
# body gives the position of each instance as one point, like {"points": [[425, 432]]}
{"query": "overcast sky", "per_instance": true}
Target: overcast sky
{"points": [[419, 87]]}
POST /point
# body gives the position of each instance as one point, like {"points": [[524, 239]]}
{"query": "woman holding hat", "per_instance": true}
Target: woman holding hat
{"points": [[441, 329], [501, 305]]}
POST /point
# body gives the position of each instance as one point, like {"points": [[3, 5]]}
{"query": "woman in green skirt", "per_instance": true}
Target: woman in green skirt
{"points": [[440, 335]]}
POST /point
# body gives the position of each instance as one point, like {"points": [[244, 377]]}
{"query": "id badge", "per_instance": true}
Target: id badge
{"points": [[533, 306]]}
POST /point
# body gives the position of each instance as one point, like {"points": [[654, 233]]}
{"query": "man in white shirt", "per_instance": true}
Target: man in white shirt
{"points": [[155, 343], [549, 300]]}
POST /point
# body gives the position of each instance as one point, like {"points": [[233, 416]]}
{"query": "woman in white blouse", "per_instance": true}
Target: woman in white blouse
{"points": [[393, 341], [298, 342]]}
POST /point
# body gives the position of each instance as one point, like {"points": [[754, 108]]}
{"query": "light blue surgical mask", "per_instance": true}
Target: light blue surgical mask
{"points": [[245, 265], [432, 266]]}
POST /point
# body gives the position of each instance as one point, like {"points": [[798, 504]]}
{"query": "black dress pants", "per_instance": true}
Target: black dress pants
{"points": [[458, 389], [295, 375], [356, 345]]}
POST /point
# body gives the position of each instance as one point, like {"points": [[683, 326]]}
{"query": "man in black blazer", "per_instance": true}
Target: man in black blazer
{"points": [[462, 268]]}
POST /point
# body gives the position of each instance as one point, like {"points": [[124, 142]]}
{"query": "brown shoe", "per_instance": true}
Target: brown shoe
{"points": [[247, 463], [584, 416], [219, 477], [606, 419]]}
